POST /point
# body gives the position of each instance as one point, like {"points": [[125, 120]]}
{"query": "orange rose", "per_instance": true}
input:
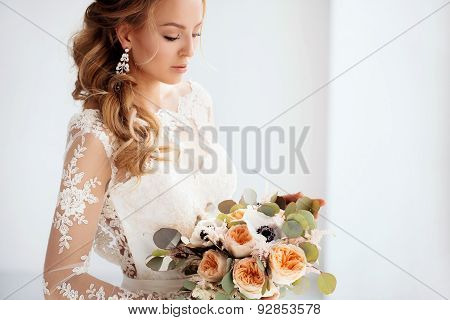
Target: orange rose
{"points": [[239, 241], [213, 266], [287, 263]]}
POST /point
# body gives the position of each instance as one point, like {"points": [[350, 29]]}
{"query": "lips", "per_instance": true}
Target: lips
{"points": [[181, 66]]}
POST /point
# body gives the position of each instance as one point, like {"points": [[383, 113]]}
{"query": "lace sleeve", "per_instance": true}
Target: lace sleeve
{"points": [[86, 173]]}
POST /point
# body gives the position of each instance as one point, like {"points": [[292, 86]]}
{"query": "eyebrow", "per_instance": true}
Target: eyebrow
{"points": [[174, 24]]}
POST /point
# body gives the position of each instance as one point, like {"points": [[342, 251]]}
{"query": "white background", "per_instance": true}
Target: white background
{"points": [[377, 149]]}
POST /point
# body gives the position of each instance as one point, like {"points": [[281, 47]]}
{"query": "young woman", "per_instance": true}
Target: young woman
{"points": [[128, 170]]}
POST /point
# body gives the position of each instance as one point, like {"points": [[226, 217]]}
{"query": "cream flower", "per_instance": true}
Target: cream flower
{"points": [[249, 279], [238, 241], [287, 263], [213, 266]]}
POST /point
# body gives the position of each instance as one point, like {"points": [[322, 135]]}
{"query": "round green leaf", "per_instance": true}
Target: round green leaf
{"points": [[236, 222], [291, 208], [225, 206], [311, 251], [155, 263], [190, 285], [326, 282], [304, 203], [160, 252], [300, 219], [269, 209], [282, 292], [300, 286], [249, 196], [309, 217], [292, 229], [167, 238], [222, 296], [227, 282], [172, 265], [274, 197], [237, 206]]}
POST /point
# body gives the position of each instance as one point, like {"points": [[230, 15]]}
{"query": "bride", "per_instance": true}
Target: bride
{"points": [[136, 154]]}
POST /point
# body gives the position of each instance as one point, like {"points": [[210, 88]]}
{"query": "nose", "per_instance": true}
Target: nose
{"points": [[188, 48]]}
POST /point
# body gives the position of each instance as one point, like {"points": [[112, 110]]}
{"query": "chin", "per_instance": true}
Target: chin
{"points": [[172, 80]]}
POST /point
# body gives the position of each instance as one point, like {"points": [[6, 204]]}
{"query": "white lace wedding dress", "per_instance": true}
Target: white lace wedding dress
{"points": [[117, 218]]}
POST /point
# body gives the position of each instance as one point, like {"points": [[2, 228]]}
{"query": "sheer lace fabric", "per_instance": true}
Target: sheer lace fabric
{"points": [[117, 218]]}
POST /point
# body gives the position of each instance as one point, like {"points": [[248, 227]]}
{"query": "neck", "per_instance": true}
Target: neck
{"points": [[148, 93]]}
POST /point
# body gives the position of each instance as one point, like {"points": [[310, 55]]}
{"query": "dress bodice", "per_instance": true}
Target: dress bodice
{"points": [[176, 194]]}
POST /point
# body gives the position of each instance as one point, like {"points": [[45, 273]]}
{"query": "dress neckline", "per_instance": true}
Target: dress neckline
{"points": [[181, 101]]}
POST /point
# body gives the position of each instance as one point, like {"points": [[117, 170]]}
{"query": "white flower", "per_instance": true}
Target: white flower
{"points": [[207, 231], [259, 223], [203, 294]]}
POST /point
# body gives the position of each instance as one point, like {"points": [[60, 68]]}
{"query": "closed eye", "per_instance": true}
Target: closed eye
{"points": [[178, 37]]}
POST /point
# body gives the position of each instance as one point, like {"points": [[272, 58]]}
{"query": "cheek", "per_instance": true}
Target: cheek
{"points": [[154, 54]]}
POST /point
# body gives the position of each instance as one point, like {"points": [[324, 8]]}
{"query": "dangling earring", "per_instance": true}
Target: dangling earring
{"points": [[123, 66]]}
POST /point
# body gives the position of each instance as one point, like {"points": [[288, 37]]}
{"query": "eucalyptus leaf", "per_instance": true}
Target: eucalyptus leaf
{"points": [[155, 263], [226, 205], [235, 223], [264, 288], [227, 282], [269, 209], [237, 206], [172, 265], [222, 296], [283, 291], [299, 218], [304, 203], [222, 217], [249, 196], [311, 251], [260, 264], [190, 285], [274, 197], [292, 229], [326, 282], [229, 262], [166, 238], [300, 286], [160, 252], [309, 217], [291, 208]]}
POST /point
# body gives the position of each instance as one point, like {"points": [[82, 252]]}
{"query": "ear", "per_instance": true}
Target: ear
{"points": [[123, 32]]}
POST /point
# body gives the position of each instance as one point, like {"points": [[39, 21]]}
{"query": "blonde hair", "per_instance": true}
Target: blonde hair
{"points": [[96, 50]]}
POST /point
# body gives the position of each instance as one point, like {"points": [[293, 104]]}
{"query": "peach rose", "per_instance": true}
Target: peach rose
{"points": [[213, 266], [287, 263], [239, 241], [249, 279]]}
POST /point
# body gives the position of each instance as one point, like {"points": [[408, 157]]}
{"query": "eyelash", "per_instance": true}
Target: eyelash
{"points": [[178, 37]]}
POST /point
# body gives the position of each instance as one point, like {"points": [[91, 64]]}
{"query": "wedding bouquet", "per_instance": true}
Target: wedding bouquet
{"points": [[250, 249]]}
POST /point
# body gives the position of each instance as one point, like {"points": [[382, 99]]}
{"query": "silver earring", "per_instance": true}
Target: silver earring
{"points": [[123, 66]]}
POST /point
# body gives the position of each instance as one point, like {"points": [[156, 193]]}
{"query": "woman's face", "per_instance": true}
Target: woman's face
{"points": [[156, 53]]}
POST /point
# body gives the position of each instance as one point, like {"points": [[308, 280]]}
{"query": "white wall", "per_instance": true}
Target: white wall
{"points": [[266, 57], [388, 176]]}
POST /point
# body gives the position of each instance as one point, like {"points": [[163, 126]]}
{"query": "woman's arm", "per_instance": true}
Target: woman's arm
{"points": [[87, 170]]}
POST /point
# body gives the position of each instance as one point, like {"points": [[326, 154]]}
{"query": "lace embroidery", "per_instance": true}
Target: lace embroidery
{"points": [[83, 268], [113, 221], [72, 200], [45, 287], [66, 290]]}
